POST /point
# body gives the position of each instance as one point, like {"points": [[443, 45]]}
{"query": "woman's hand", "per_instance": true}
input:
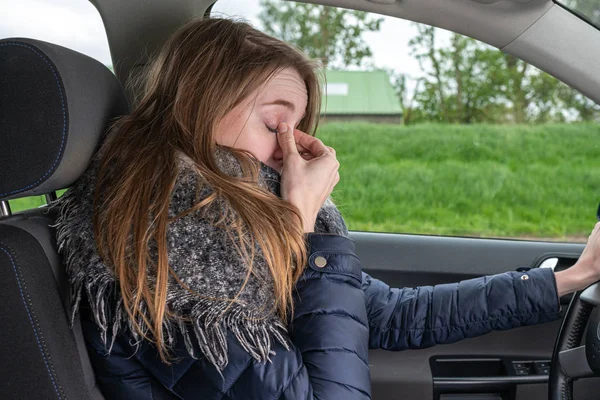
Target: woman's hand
{"points": [[585, 271], [306, 181]]}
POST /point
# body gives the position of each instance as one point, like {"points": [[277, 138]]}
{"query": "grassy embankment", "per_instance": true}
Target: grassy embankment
{"points": [[482, 180]]}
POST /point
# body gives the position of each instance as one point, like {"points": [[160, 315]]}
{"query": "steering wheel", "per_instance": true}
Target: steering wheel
{"points": [[570, 361]]}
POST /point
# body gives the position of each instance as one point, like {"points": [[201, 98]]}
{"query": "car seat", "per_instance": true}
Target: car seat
{"points": [[55, 106]]}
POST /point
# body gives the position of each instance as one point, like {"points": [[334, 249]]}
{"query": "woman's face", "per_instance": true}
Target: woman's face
{"points": [[252, 125]]}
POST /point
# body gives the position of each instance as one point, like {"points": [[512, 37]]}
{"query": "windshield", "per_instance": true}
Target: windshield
{"points": [[587, 9]]}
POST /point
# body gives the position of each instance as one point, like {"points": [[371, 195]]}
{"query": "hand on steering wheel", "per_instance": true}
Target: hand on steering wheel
{"points": [[570, 360]]}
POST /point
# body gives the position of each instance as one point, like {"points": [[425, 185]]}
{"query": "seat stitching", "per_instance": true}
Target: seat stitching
{"points": [[41, 344]]}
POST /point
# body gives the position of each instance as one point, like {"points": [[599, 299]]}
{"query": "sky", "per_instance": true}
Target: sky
{"points": [[77, 25]]}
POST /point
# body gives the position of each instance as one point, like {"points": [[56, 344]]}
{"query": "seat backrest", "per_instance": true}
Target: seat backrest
{"points": [[55, 106]]}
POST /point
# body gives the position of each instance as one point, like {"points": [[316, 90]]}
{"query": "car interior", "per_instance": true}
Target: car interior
{"points": [[56, 105]]}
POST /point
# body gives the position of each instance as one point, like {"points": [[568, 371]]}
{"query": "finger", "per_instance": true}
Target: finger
{"points": [[306, 155], [331, 149], [335, 176], [305, 140], [595, 230], [286, 141], [312, 144], [297, 133], [301, 149], [334, 181]]}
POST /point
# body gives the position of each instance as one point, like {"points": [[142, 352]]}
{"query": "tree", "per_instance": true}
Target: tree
{"points": [[406, 97], [468, 81], [333, 35], [455, 86]]}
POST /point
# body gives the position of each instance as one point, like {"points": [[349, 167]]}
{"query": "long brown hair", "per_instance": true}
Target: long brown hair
{"points": [[204, 70]]}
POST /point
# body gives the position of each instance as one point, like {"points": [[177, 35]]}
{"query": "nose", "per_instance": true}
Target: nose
{"points": [[277, 158], [278, 154]]}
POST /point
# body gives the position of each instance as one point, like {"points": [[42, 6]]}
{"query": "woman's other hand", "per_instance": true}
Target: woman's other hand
{"points": [[587, 269], [306, 180]]}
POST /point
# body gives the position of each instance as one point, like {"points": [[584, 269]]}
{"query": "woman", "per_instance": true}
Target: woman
{"points": [[208, 260]]}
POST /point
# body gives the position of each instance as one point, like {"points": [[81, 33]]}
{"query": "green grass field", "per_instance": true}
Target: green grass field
{"points": [[481, 180]]}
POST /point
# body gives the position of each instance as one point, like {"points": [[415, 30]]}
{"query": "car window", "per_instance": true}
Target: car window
{"points": [[74, 24], [443, 135], [589, 10]]}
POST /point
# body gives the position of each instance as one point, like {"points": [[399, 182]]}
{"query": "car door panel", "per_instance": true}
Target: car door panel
{"points": [[403, 260]]}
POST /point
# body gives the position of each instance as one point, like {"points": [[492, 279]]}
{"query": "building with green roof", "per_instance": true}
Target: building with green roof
{"points": [[360, 95]]}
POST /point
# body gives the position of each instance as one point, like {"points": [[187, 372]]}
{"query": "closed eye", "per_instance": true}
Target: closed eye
{"points": [[273, 130]]}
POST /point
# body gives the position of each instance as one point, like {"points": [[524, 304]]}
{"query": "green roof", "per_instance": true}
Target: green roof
{"points": [[359, 92]]}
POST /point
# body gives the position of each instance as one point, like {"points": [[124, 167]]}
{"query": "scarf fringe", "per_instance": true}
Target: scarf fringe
{"points": [[208, 324]]}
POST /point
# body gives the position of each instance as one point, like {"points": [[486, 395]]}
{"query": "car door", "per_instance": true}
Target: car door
{"points": [[483, 365]]}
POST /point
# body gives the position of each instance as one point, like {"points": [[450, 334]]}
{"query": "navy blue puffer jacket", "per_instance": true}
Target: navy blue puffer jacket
{"points": [[340, 312]]}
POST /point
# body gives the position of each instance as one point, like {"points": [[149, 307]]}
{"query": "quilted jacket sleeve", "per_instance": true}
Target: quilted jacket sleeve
{"points": [[412, 318], [329, 327]]}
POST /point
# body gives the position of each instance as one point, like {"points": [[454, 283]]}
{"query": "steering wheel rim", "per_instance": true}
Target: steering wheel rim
{"points": [[570, 361]]}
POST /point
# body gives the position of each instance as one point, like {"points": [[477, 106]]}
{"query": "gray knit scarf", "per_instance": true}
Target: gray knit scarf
{"points": [[202, 256]]}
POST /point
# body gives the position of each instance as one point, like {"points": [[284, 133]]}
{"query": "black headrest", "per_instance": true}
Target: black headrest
{"points": [[55, 106]]}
